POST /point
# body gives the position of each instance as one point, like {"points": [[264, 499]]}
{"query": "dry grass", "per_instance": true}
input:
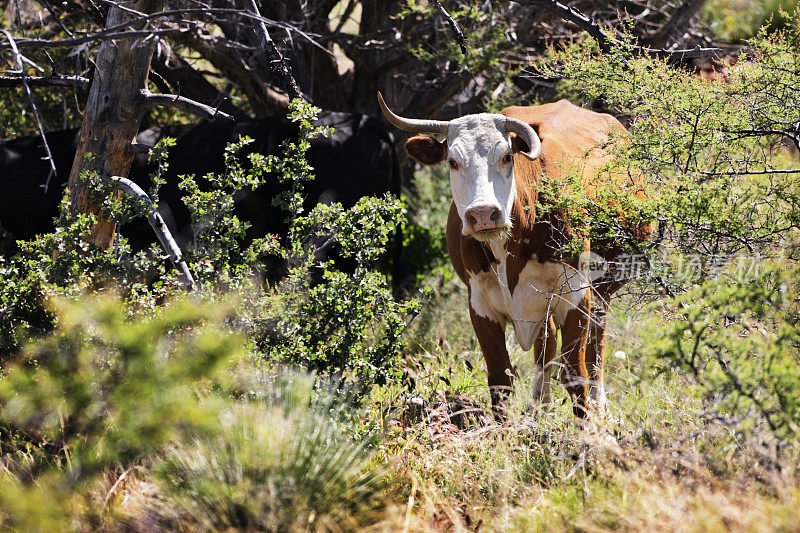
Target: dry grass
{"points": [[656, 462]]}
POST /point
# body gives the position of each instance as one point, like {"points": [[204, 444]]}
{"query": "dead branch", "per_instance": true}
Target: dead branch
{"points": [[571, 14], [161, 230], [754, 172], [139, 148], [277, 63], [182, 103], [117, 31], [173, 74], [21, 67], [606, 42], [17, 80], [677, 23], [462, 42], [95, 37]]}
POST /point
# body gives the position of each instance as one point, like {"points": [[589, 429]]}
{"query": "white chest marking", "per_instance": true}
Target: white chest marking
{"points": [[543, 290]]}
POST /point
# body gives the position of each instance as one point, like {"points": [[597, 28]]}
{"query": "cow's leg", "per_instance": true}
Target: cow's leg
{"points": [[492, 338], [602, 293], [544, 350], [574, 337], [595, 352]]}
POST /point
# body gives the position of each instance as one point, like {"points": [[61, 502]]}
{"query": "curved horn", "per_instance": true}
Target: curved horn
{"points": [[528, 135], [411, 124]]}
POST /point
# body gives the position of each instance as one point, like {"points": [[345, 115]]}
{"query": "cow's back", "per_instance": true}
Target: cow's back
{"points": [[576, 142], [571, 136]]}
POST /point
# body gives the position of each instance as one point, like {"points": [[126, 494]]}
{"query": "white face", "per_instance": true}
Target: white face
{"points": [[481, 169]]}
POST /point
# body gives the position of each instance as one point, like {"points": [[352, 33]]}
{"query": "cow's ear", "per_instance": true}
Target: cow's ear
{"points": [[518, 145], [426, 150]]}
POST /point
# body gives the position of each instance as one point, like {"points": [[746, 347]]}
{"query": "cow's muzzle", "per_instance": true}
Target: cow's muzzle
{"points": [[483, 220]]}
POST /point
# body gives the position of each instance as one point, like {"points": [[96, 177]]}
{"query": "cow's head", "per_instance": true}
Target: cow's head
{"points": [[479, 150]]}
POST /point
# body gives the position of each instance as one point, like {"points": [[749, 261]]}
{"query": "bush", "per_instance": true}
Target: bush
{"points": [[226, 445], [104, 391], [323, 315], [337, 321], [715, 184], [279, 462], [738, 343], [99, 385], [721, 193], [63, 264], [327, 316]]}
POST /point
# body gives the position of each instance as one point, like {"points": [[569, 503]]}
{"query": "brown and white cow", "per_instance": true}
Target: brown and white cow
{"points": [[508, 257]]}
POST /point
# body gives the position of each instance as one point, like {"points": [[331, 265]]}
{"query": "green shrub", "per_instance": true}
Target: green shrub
{"points": [[102, 391], [738, 343], [319, 315], [715, 185], [281, 461], [326, 319], [721, 194]]}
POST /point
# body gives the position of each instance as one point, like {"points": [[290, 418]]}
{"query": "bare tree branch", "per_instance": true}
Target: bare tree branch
{"points": [[604, 41], [754, 172], [351, 5], [116, 31], [184, 104], [576, 17], [677, 23], [453, 26], [161, 230], [95, 37], [16, 80], [277, 62], [178, 76], [763, 132], [139, 148], [21, 67]]}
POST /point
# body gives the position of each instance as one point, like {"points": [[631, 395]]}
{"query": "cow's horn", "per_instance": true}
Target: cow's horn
{"points": [[528, 135], [412, 124]]}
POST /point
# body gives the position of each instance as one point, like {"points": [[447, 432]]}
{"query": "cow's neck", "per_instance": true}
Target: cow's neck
{"points": [[500, 252]]}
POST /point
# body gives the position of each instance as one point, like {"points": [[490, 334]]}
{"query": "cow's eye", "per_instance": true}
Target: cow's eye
{"points": [[452, 164], [507, 158]]}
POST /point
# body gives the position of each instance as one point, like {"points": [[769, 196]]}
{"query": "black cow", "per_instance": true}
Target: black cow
{"points": [[357, 160]]}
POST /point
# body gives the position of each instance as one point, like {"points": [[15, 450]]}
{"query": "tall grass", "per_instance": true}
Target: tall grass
{"points": [[281, 461]]}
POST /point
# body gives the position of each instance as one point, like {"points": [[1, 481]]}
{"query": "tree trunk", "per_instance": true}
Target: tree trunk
{"points": [[113, 113], [677, 23]]}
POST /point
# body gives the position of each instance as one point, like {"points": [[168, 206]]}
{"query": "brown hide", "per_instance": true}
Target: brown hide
{"points": [[571, 139]]}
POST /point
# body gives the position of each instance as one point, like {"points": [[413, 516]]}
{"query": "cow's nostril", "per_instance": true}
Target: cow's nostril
{"points": [[495, 216], [471, 220]]}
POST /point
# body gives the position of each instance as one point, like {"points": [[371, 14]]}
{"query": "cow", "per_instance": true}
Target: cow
{"points": [[357, 160], [511, 260]]}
